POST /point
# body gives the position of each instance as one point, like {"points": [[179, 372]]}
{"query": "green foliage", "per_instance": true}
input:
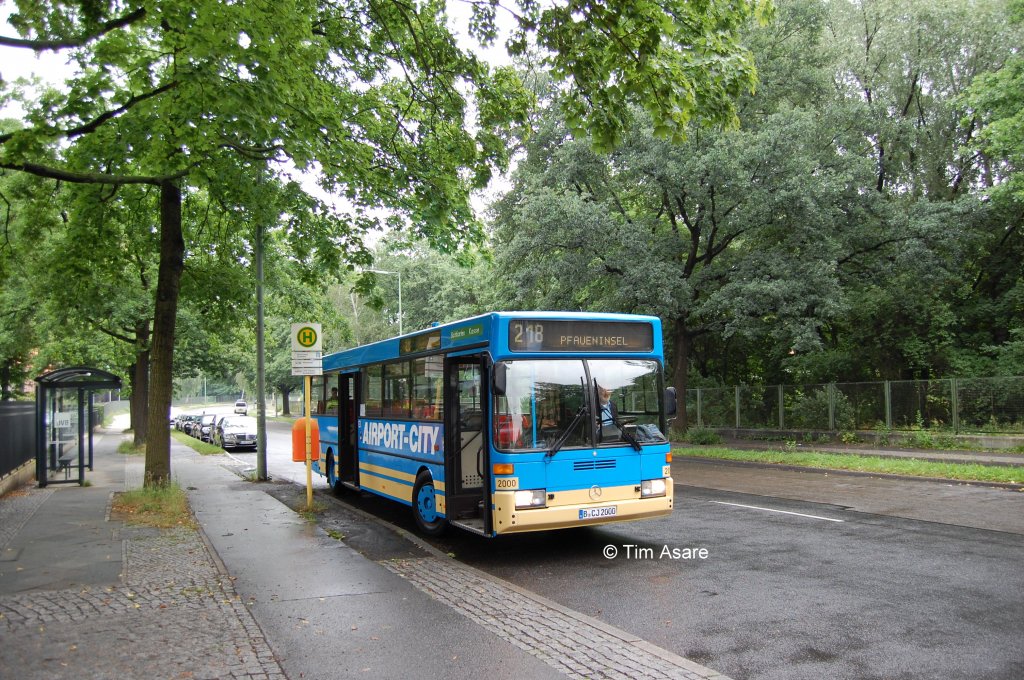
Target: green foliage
{"points": [[882, 435], [164, 505], [702, 436], [129, 448], [849, 437], [838, 235], [611, 52], [996, 101], [810, 409]]}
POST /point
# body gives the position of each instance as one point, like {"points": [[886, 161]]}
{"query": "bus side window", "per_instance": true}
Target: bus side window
{"points": [[427, 387], [372, 390], [316, 394]]}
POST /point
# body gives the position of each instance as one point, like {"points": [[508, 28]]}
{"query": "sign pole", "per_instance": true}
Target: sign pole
{"points": [[307, 360], [309, 450]]}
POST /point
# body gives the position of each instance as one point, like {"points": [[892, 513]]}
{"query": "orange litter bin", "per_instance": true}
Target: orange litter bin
{"points": [[299, 440]]}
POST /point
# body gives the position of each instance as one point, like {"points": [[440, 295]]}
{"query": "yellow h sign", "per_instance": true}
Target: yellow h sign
{"points": [[306, 337]]}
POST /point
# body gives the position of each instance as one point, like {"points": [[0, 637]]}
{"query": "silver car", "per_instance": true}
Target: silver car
{"points": [[236, 432]]}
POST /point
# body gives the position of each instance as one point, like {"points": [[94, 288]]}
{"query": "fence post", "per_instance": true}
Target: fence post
{"points": [[737, 407], [887, 391], [782, 411], [954, 404], [700, 420], [832, 407]]}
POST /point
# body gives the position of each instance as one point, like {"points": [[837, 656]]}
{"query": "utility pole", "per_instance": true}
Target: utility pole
{"points": [[261, 391]]}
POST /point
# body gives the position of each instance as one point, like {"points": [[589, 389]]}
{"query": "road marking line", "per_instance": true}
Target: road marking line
{"points": [[784, 512]]}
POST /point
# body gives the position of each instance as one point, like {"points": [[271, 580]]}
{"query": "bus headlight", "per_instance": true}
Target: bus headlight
{"points": [[533, 498], [650, 488]]}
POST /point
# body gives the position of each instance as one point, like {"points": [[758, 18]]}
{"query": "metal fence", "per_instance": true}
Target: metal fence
{"points": [[17, 434], [984, 405]]}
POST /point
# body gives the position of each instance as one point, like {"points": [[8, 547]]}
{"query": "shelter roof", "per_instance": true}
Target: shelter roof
{"points": [[82, 377]]}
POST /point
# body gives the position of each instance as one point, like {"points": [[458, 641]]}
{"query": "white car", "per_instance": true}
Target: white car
{"points": [[241, 407]]}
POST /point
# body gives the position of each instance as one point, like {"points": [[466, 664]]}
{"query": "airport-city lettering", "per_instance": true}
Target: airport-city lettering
{"points": [[407, 437]]}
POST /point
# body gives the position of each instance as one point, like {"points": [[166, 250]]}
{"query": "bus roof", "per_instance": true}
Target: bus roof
{"points": [[587, 333]]}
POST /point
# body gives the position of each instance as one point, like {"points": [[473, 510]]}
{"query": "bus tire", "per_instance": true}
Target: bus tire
{"points": [[332, 471], [424, 507]]}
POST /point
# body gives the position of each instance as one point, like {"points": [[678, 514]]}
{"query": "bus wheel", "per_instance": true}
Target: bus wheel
{"points": [[424, 507], [332, 475]]}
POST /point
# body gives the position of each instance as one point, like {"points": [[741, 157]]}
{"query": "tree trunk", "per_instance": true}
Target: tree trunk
{"points": [[136, 411], [285, 393], [681, 370], [5, 381], [140, 397], [140, 384], [172, 259]]}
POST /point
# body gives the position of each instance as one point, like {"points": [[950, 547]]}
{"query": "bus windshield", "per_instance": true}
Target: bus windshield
{"points": [[619, 398]]}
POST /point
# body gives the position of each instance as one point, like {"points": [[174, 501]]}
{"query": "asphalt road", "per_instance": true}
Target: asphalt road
{"points": [[764, 574]]}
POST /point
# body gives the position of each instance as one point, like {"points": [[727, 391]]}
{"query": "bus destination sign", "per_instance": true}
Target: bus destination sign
{"points": [[551, 335]]}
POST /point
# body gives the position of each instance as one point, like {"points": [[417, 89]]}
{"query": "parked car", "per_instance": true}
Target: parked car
{"points": [[188, 422], [241, 407], [235, 432], [204, 429]]}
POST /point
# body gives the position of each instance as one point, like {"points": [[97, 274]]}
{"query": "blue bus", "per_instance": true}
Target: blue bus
{"points": [[505, 422]]}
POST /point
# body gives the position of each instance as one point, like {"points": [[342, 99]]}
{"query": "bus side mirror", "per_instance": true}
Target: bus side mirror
{"points": [[670, 402], [500, 381]]}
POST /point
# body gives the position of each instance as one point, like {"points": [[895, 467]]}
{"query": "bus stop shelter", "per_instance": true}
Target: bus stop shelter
{"points": [[64, 407]]}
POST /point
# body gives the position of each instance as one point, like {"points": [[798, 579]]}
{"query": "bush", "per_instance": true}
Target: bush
{"points": [[702, 435], [849, 437], [809, 410]]}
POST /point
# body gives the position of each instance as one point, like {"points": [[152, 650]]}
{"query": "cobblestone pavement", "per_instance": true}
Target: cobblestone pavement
{"points": [[571, 642], [16, 508], [174, 614]]}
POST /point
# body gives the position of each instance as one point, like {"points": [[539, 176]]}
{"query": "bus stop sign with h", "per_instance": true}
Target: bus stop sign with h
{"points": [[307, 360]]}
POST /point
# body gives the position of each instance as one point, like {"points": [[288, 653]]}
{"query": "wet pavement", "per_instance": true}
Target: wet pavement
{"points": [[260, 592]]}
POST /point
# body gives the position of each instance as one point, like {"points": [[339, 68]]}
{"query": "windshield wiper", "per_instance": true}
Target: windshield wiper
{"points": [[626, 434], [583, 410], [568, 431]]}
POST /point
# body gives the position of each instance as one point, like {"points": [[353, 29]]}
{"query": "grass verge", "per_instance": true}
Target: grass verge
{"points": [[161, 506], [200, 447], [877, 464], [128, 448]]}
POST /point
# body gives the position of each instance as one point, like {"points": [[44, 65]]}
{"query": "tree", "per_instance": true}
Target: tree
{"points": [[187, 96], [437, 287], [906, 65], [23, 201], [719, 235], [834, 235]]}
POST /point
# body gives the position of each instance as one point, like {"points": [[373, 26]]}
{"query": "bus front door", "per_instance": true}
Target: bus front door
{"points": [[465, 447]]}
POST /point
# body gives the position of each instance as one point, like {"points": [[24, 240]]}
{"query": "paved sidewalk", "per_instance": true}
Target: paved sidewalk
{"points": [[258, 592]]}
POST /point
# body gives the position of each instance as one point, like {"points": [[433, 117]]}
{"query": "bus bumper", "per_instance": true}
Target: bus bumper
{"points": [[576, 508]]}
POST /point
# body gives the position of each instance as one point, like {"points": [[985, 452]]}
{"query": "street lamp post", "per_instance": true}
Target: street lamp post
{"points": [[399, 274]]}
